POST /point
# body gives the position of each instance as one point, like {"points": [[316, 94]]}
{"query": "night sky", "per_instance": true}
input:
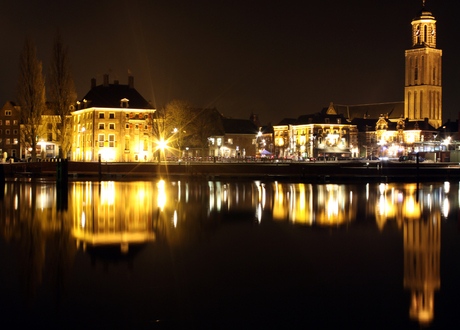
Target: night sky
{"points": [[276, 59]]}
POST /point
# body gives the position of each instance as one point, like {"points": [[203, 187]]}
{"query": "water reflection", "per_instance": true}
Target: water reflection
{"points": [[127, 215]]}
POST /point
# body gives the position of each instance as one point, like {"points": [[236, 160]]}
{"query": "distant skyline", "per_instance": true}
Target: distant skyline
{"points": [[276, 60]]}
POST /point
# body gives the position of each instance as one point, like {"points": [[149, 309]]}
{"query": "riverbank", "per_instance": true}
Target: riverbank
{"points": [[304, 171]]}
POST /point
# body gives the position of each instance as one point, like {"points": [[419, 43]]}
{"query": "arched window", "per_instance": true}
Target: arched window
{"points": [[416, 70], [425, 33]]}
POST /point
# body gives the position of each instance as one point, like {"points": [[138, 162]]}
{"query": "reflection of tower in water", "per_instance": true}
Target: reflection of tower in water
{"points": [[422, 247]]}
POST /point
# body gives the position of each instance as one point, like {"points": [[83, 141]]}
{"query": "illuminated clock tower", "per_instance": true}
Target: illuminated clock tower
{"points": [[423, 89]]}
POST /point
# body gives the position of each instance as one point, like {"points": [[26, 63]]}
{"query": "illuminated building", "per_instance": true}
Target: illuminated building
{"points": [[423, 90], [322, 134], [238, 139], [113, 121], [9, 130]]}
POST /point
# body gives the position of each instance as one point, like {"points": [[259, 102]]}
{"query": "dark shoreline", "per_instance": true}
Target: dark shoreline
{"points": [[298, 171]]}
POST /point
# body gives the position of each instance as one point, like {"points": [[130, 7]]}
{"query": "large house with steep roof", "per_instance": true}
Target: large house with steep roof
{"points": [[113, 122]]}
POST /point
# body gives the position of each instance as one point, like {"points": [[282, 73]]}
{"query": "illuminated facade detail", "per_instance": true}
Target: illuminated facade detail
{"points": [[423, 88], [322, 134], [238, 139], [113, 122]]}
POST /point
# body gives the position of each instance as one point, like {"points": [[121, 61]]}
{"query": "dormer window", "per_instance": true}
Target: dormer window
{"points": [[124, 103]]}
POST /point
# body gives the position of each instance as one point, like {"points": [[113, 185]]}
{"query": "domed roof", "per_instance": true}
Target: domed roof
{"points": [[423, 12]]}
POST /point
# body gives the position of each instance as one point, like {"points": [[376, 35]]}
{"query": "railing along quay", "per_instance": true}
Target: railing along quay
{"points": [[296, 170]]}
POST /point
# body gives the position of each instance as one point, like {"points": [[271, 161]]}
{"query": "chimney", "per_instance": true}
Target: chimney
{"points": [[131, 81], [106, 80], [93, 83]]}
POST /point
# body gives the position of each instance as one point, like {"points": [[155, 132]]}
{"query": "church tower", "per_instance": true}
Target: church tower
{"points": [[423, 90]]}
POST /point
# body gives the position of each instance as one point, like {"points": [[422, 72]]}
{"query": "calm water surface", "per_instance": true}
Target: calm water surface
{"points": [[224, 254]]}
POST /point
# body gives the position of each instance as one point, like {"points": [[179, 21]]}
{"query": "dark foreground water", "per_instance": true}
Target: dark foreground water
{"points": [[234, 255]]}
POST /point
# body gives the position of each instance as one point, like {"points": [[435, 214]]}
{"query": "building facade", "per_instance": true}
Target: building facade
{"points": [[10, 117], [113, 122], [324, 134], [423, 89]]}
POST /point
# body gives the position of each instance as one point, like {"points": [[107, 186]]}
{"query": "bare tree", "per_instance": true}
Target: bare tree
{"points": [[178, 117], [61, 93], [30, 96], [206, 122]]}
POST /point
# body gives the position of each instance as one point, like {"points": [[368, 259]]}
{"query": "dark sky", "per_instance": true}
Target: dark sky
{"points": [[276, 59]]}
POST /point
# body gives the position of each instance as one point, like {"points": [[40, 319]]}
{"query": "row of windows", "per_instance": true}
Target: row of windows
{"points": [[110, 126], [8, 141], [111, 115], [7, 132], [8, 122], [212, 141]]}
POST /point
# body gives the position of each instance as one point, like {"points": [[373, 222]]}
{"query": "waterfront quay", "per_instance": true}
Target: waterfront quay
{"points": [[339, 171]]}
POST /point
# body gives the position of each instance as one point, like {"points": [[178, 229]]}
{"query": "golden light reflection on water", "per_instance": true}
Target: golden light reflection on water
{"points": [[122, 214]]}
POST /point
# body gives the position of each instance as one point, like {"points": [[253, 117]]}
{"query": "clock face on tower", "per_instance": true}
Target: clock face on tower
{"points": [[432, 32], [417, 33]]}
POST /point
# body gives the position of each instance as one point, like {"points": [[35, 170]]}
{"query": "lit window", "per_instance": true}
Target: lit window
{"points": [[15, 141], [101, 140], [111, 140], [219, 141], [230, 141], [7, 122], [8, 141], [15, 122]]}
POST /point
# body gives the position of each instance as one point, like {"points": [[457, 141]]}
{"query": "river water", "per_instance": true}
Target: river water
{"points": [[181, 254]]}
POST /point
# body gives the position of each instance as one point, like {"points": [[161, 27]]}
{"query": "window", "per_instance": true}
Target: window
{"points": [[111, 140], [7, 122], [79, 119], [101, 140], [8, 141], [50, 126], [50, 136], [7, 112], [219, 141], [111, 126], [101, 126], [230, 141], [101, 115], [126, 142], [1, 122], [15, 122], [7, 132], [15, 141], [15, 132], [127, 126], [112, 115]]}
